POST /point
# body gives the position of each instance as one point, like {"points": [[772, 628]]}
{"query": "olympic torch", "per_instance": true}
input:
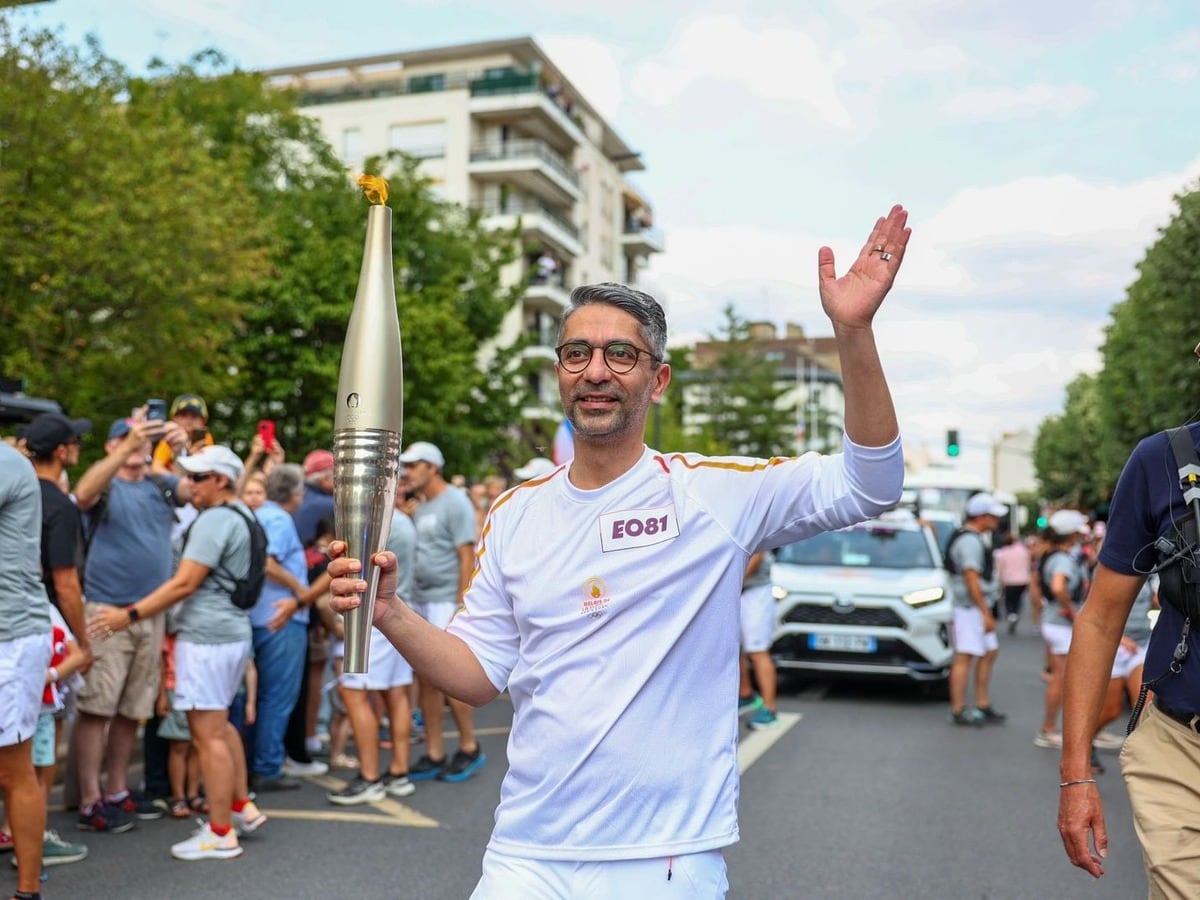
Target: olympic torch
{"points": [[368, 418]]}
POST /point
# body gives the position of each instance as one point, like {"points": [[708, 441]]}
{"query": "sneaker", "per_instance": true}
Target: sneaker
{"points": [[1051, 740], [990, 716], [310, 769], [416, 734], [1106, 740], [249, 820], [764, 719], [1013, 619], [359, 790], [105, 817], [966, 716], [279, 783], [398, 785], [426, 768], [205, 844], [139, 807], [750, 704], [57, 852], [463, 765]]}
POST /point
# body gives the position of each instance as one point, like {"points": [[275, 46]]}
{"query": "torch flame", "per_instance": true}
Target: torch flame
{"points": [[375, 187]]}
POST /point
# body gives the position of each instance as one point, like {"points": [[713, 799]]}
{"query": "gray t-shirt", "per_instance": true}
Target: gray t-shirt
{"points": [[403, 542], [1062, 563], [220, 540], [443, 524], [130, 554], [1137, 626], [970, 552], [24, 607]]}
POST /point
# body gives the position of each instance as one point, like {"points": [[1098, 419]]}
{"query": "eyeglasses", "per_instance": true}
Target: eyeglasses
{"points": [[197, 477], [620, 356]]}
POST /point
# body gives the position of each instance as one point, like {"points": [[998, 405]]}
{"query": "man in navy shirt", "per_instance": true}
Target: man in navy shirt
{"points": [[1161, 759]]}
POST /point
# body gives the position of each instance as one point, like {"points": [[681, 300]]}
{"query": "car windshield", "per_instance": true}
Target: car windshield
{"points": [[871, 546]]}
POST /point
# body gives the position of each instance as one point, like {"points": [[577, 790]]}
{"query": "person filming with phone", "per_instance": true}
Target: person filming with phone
{"points": [[190, 413]]}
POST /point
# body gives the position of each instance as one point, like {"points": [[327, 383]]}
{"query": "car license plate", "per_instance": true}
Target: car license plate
{"points": [[851, 643]]}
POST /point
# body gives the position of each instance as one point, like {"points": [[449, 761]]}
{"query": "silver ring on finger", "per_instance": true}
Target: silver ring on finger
{"points": [[878, 248], [884, 255]]}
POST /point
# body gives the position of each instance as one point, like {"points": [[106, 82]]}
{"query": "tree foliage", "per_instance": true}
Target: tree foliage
{"points": [[741, 395], [1148, 380], [191, 231]]}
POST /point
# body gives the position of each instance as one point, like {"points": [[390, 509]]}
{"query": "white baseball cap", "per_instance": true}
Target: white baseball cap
{"points": [[214, 458], [423, 451], [1066, 522], [985, 505]]}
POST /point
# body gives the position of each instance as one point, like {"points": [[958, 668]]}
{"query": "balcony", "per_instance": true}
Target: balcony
{"points": [[539, 223], [550, 297], [641, 240], [532, 165], [520, 98]]}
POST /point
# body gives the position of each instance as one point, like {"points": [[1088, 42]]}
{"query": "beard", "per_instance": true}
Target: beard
{"points": [[626, 412]]}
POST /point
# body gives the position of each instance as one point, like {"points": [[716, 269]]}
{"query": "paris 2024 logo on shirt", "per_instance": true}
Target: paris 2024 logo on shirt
{"points": [[595, 598]]}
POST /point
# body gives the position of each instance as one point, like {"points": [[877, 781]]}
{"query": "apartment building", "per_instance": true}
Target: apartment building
{"points": [[499, 128], [808, 376]]}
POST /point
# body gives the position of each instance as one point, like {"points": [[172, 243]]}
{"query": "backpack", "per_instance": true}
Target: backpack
{"points": [[1047, 592], [244, 592], [1179, 569], [989, 562]]}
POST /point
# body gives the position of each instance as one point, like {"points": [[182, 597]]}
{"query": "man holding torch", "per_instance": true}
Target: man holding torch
{"points": [[605, 600]]}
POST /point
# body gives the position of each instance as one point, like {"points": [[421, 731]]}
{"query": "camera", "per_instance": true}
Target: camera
{"points": [[156, 410]]}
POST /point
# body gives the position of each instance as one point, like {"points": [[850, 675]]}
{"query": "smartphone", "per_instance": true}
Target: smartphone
{"points": [[266, 431], [199, 435], [156, 410]]}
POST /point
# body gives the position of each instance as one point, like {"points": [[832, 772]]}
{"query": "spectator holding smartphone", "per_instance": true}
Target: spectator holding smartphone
{"points": [[190, 413]]}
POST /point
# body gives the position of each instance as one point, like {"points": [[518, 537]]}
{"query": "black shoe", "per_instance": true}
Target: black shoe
{"points": [[105, 817], [359, 790], [966, 716], [279, 783], [427, 769], [140, 807], [989, 716], [464, 765]]}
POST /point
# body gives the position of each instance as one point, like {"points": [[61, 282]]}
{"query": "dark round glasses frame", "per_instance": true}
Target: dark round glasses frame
{"points": [[621, 357]]}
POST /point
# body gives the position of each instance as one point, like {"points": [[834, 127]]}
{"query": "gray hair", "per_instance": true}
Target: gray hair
{"points": [[283, 481], [651, 319]]}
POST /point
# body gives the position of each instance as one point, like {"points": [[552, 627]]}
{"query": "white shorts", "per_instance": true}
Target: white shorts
{"points": [[436, 614], [23, 665], [757, 618], [207, 676], [386, 668], [968, 635], [1125, 661], [337, 648], [1057, 637], [694, 876]]}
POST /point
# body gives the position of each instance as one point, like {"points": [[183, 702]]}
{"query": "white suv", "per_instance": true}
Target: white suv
{"points": [[871, 599]]}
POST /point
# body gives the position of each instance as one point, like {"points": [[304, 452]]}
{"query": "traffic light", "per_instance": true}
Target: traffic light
{"points": [[952, 445]]}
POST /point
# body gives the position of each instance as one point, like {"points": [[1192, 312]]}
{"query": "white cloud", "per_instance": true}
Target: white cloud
{"points": [[772, 63], [1011, 103]]}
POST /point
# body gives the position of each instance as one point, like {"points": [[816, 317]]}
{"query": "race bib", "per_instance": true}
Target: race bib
{"points": [[637, 528]]}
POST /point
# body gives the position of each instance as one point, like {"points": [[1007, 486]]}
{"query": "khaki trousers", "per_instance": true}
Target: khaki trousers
{"points": [[1161, 765]]}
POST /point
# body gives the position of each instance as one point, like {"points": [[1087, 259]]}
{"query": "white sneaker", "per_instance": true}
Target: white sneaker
{"points": [[304, 770], [1106, 740], [249, 820], [204, 844], [397, 785], [1049, 739]]}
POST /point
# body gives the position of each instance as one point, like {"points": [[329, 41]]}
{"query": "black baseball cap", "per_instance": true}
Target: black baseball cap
{"points": [[52, 429]]}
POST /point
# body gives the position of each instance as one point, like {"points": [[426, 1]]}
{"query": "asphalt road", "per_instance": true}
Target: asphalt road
{"points": [[865, 792]]}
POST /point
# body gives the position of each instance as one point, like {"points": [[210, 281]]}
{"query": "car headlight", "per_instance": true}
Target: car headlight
{"points": [[923, 597], [779, 593]]}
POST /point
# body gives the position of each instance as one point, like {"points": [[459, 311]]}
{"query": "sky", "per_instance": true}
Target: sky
{"points": [[1037, 145]]}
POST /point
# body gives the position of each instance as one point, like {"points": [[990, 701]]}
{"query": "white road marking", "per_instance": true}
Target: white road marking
{"points": [[754, 744]]}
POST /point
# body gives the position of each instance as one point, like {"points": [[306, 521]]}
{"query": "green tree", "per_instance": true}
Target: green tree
{"points": [[741, 396], [1149, 380], [1066, 453], [123, 244]]}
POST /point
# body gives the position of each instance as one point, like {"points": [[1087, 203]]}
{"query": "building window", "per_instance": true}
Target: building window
{"points": [[422, 84], [352, 147], [424, 140]]}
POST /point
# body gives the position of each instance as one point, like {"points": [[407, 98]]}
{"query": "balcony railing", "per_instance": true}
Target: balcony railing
{"points": [[519, 206], [525, 149]]}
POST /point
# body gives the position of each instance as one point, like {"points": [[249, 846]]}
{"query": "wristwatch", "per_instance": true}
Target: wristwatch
{"points": [[134, 615]]}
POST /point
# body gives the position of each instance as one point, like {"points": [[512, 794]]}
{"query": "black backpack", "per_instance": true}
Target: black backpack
{"points": [[244, 592]]}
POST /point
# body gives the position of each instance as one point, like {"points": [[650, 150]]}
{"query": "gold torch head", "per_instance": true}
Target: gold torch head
{"points": [[375, 187]]}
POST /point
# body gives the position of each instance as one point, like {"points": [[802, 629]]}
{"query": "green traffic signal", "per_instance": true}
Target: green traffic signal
{"points": [[952, 445]]}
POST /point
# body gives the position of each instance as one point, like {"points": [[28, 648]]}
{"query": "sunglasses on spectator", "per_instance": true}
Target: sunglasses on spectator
{"points": [[197, 477]]}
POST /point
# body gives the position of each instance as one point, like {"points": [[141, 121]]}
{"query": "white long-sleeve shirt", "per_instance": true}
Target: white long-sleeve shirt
{"points": [[611, 617]]}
